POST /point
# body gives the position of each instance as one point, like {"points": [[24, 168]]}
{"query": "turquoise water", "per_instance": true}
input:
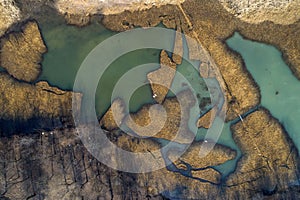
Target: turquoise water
{"points": [[278, 86], [280, 89]]}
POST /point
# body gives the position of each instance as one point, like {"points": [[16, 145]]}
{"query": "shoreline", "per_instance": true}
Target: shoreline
{"points": [[34, 106], [223, 40], [98, 16], [239, 26], [283, 52], [273, 133]]}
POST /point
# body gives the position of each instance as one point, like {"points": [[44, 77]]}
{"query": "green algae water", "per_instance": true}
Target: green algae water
{"points": [[68, 46], [196, 83], [279, 88]]}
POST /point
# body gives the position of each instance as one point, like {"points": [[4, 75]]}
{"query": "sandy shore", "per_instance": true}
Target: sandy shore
{"points": [[257, 11]]}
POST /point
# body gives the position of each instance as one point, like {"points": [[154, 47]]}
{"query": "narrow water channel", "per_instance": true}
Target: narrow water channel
{"points": [[68, 46]]}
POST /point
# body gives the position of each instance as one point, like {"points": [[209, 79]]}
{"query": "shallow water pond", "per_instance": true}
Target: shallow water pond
{"points": [[68, 46]]}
